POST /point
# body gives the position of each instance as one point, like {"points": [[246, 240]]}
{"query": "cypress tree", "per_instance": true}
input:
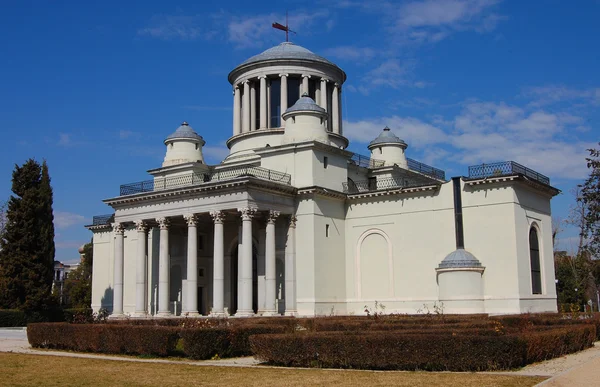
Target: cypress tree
{"points": [[27, 249]]}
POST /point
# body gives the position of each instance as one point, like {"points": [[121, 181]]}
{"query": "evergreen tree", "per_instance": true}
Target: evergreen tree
{"points": [[27, 249], [78, 286], [590, 197]]}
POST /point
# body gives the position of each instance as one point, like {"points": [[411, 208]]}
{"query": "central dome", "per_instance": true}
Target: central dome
{"points": [[286, 50]]}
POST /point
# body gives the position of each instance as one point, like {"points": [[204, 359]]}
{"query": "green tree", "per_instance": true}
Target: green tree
{"points": [[590, 197], [78, 286], [27, 248]]}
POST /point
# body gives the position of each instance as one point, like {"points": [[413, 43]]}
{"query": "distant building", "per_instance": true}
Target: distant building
{"points": [[293, 223], [61, 273]]}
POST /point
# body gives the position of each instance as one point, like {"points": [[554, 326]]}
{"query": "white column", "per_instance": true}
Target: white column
{"points": [[252, 106], [318, 93], [240, 263], [140, 270], [290, 270], [335, 110], [260, 270], [191, 297], [263, 102], [237, 128], [305, 88], [323, 99], [245, 304], [118, 271], [268, 104], [218, 266], [341, 103], [270, 263], [164, 268], [246, 108], [284, 97]]}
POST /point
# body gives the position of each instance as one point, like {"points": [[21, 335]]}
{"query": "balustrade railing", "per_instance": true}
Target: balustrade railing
{"points": [[101, 220], [200, 178], [425, 169], [366, 162], [374, 184], [505, 168]]}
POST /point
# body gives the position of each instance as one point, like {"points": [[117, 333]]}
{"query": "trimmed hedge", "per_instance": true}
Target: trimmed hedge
{"points": [[400, 350], [21, 318], [12, 318], [155, 340]]}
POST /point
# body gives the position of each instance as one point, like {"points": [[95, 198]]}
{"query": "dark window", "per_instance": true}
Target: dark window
{"points": [[200, 242], [275, 103], [325, 162], [534, 256], [293, 89], [327, 231]]}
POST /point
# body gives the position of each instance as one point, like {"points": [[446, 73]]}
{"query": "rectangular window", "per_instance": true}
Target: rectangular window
{"points": [[200, 242], [327, 231], [325, 162]]}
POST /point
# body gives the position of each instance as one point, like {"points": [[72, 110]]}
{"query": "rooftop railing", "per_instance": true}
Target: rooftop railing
{"points": [[200, 178], [101, 220], [425, 169], [366, 162], [379, 184], [505, 168]]}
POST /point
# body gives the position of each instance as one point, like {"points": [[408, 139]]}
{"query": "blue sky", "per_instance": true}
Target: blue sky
{"points": [[95, 87]]}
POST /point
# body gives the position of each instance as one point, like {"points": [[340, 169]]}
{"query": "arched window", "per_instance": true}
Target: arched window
{"points": [[534, 257]]}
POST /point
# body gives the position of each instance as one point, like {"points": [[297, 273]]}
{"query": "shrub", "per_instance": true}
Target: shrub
{"points": [[79, 315], [12, 318], [555, 342], [104, 338]]}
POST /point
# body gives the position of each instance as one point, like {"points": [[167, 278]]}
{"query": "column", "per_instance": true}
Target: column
{"points": [[260, 269], [252, 106], [164, 268], [268, 104], [191, 296], [218, 266], [305, 88], [270, 265], [240, 262], [318, 93], [245, 303], [140, 270], [284, 97], [290, 270], [237, 128], [246, 108], [263, 102], [335, 107], [118, 271], [323, 99], [341, 122]]}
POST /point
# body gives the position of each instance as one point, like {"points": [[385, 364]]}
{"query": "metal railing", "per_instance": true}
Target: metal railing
{"points": [[200, 178], [366, 162], [101, 220], [425, 169], [374, 184], [505, 168]]}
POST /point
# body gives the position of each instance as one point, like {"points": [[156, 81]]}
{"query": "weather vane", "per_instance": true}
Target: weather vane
{"points": [[285, 27]]}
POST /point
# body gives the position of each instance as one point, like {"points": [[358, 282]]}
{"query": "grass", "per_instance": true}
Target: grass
{"points": [[44, 370]]}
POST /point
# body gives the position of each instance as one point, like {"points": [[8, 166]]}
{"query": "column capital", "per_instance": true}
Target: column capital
{"points": [[262, 77], [191, 219], [118, 228], [335, 84], [141, 226], [245, 82], [236, 87], [247, 213], [272, 216], [325, 80], [293, 221], [163, 223], [218, 216], [283, 75], [305, 75]]}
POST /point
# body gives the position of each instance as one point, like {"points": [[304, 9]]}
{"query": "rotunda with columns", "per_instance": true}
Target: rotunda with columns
{"points": [[293, 223]]}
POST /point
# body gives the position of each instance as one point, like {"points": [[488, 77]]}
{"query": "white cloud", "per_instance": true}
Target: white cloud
{"points": [[548, 95], [184, 27], [393, 73], [67, 219], [64, 139], [247, 32]]}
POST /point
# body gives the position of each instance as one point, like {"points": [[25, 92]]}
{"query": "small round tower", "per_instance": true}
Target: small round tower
{"points": [[183, 146], [389, 148], [305, 121], [459, 277]]}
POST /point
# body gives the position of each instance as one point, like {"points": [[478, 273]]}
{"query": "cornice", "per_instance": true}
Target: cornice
{"points": [[304, 145], [393, 191], [321, 191], [228, 185], [545, 188]]}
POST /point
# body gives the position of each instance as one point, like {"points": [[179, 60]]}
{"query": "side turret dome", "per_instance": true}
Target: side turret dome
{"points": [[389, 148], [305, 121], [183, 146]]}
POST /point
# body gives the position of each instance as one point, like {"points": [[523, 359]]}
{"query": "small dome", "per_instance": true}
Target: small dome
{"points": [[304, 104], [81, 249], [185, 131], [286, 50], [460, 258], [387, 137]]}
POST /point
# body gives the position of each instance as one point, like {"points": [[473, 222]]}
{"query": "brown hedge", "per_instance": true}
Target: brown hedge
{"points": [[408, 350], [104, 338]]}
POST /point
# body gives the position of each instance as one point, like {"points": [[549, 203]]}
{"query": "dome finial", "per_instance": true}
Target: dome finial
{"points": [[184, 123], [386, 129], [305, 94]]}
